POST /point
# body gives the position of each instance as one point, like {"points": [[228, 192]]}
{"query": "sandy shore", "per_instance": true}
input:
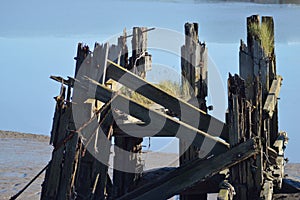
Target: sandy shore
{"points": [[24, 155], [16, 135]]}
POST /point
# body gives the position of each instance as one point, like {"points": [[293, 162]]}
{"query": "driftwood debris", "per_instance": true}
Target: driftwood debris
{"points": [[91, 111]]}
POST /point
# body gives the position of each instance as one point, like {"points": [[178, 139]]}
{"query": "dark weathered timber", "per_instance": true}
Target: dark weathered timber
{"points": [[60, 175], [82, 112], [100, 54], [194, 85], [53, 172], [272, 122], [252, 105], [209, 185], [138, 64], [57, 114], [238, 132], [132, 145], [184, 110], [68, 168], [122, 130], [63, 104], [118, 176], [246, 70], [103, 137], [191, 173], [103, 146], [242, 95], [271, 100], [139, 111], [72, 149], [82, 52], [88, 183]]}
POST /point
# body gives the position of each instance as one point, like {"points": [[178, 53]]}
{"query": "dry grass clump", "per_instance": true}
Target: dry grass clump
{"points": [[170, 87], [265, 36], [186, 90], [140, 99]]}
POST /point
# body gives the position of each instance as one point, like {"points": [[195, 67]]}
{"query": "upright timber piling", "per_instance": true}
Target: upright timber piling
{"points": [[139, 63], [249, 112], [96, 107], [194, 86]]}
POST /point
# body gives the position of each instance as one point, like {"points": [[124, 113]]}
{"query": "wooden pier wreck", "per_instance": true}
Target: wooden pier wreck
{"points": [[242, 158]]}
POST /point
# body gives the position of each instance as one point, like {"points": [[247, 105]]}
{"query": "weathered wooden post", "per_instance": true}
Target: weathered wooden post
{"points": [[93, 180], [252, 107], [59, 179], [138, 64], [75, 171], [194, 85]]}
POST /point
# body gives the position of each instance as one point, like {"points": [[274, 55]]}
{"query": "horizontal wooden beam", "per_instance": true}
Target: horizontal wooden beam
{"points": [[141, 128], [210, 185], [272, 97], [187, 175], [186, 112], [158, 121], [69, 81]]}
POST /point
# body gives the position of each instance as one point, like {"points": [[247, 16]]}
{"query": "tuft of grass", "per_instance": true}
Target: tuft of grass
{"points": [[135, 96], [264, 35], [186, 90], [170, 87], [141, 99]]}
